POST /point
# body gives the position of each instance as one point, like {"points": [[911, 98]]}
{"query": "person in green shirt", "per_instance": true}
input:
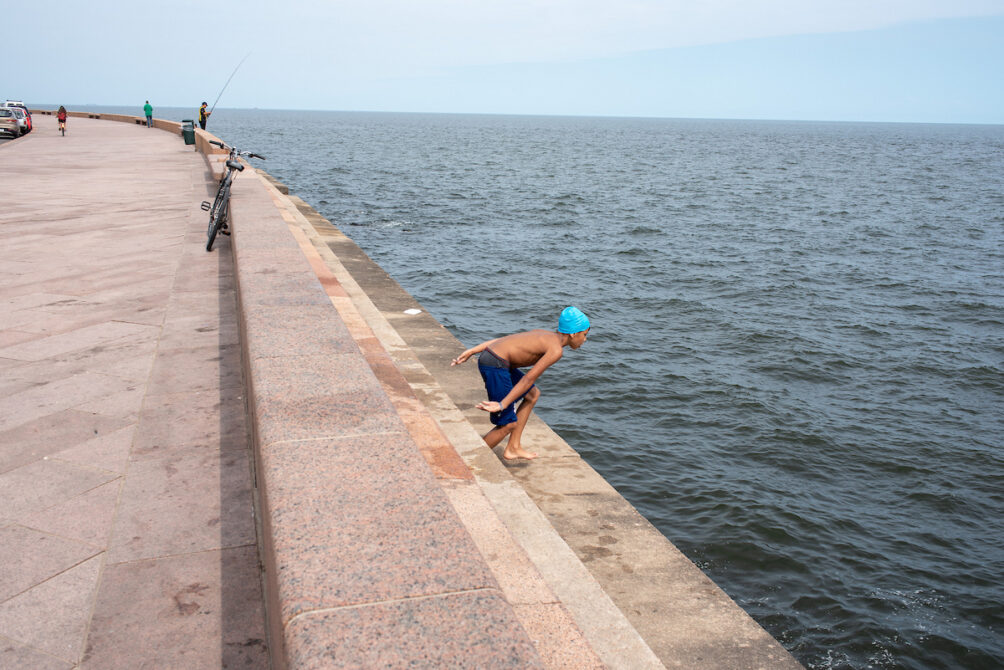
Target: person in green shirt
{"points": [[148, 110]]}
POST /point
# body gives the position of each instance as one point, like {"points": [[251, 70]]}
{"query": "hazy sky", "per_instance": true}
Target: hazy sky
{"points": [[881, 60]]}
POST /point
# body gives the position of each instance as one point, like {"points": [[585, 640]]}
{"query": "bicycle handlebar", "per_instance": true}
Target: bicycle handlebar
{"points": [[235, 151]]}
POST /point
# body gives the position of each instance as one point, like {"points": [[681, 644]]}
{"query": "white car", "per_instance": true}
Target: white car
{"points": [[8, 122], [22, 119]]}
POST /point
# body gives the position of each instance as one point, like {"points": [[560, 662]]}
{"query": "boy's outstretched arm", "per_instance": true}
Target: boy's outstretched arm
{"points": [[473, 350]]}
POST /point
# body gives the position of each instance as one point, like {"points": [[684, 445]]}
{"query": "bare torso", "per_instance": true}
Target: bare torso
{"points": [[525, 349]]}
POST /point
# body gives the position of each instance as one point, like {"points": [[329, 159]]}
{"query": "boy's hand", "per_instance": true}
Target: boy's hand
{"points": [[460, 359], [490, 406]]}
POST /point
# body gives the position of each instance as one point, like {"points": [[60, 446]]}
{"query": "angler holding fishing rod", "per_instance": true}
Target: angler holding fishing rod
{"points": [[205, 113]]}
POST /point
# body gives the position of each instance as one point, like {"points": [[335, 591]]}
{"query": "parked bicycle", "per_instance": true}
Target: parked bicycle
{"points": [[219, 210]]}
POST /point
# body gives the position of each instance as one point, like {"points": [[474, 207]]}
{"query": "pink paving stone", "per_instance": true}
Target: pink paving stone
{"points": [[53, 616], [27, 318], [199, 331], [46, 323], [274, 261], [201, 420], [117, 275], [258, 231], [206, 368], [145, 310], [124, 404], [207, 304], [282, 288], [30, 557], [56, 396], [14, 268], [360, 412], [16, 655], [11, 337], [87, 517], [275, 267], [205, 282], [117, 359], [361, 519], [30, 300], [184, 502], [81, 338], [153, 288], [262, 235], [302, 331], [44, 484], [109, 452], [11, 386], [133, 368], [465, 630], [194, 611], [53, 433], [310, 397]]}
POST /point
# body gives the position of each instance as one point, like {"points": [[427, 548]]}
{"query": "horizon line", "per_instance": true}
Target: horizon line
{"points": [[554, 115]]}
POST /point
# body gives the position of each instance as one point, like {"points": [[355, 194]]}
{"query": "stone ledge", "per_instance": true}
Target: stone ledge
{"points": [[360, 543]]}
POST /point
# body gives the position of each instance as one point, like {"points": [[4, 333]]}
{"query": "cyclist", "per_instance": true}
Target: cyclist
{"points": [[61, 116]]}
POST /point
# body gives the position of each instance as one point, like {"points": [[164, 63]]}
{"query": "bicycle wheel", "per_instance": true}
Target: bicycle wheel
{"points": [[218, 215], [213, 211]]}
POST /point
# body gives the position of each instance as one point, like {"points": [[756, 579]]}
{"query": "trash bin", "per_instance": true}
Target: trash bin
{"points": [[188, 130]]}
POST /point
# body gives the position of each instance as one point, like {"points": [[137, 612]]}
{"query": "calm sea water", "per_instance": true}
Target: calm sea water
{"points": [[796, 369]]}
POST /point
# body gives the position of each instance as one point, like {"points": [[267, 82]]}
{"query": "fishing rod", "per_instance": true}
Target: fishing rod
{"points": [[228, 82]]}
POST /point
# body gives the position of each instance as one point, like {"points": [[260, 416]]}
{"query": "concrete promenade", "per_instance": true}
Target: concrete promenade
{"points": [[126, 531], [260, 457]]}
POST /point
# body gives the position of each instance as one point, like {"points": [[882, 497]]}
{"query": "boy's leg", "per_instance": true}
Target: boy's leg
{"points": [[513, 449], [498, 383], [497, 434]]}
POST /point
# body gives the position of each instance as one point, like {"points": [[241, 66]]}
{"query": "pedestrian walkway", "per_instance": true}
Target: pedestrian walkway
{"points": [[127, 538]]}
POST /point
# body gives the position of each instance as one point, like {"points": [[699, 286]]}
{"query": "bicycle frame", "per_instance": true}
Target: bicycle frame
{"points": [[219, 211]]}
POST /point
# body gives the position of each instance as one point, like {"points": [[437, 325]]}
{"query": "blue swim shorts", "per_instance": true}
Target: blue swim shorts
{"points": [[498, 382]]}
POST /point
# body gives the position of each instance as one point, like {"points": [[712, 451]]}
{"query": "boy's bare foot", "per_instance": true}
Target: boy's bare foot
{"points": [[518, 452]]}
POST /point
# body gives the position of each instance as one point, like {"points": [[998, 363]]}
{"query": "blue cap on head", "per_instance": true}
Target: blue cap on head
{"points": [[572, 320]]}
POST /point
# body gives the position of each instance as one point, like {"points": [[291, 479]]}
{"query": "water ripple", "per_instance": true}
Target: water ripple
{"points": [[796, 369]]}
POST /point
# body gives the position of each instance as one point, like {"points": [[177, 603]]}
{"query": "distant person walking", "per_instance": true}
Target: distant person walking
{"points": [[61, 117], [204, 115], [148, 110]]}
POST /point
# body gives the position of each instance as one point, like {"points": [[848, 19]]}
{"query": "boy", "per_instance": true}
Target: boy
{"points": [[499, 363]]}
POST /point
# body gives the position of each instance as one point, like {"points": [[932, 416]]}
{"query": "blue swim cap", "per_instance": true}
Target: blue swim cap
{"points": [[572, 320]]}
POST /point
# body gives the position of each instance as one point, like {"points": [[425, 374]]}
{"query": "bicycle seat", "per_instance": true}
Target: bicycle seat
{"points": [[234, 165]]}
